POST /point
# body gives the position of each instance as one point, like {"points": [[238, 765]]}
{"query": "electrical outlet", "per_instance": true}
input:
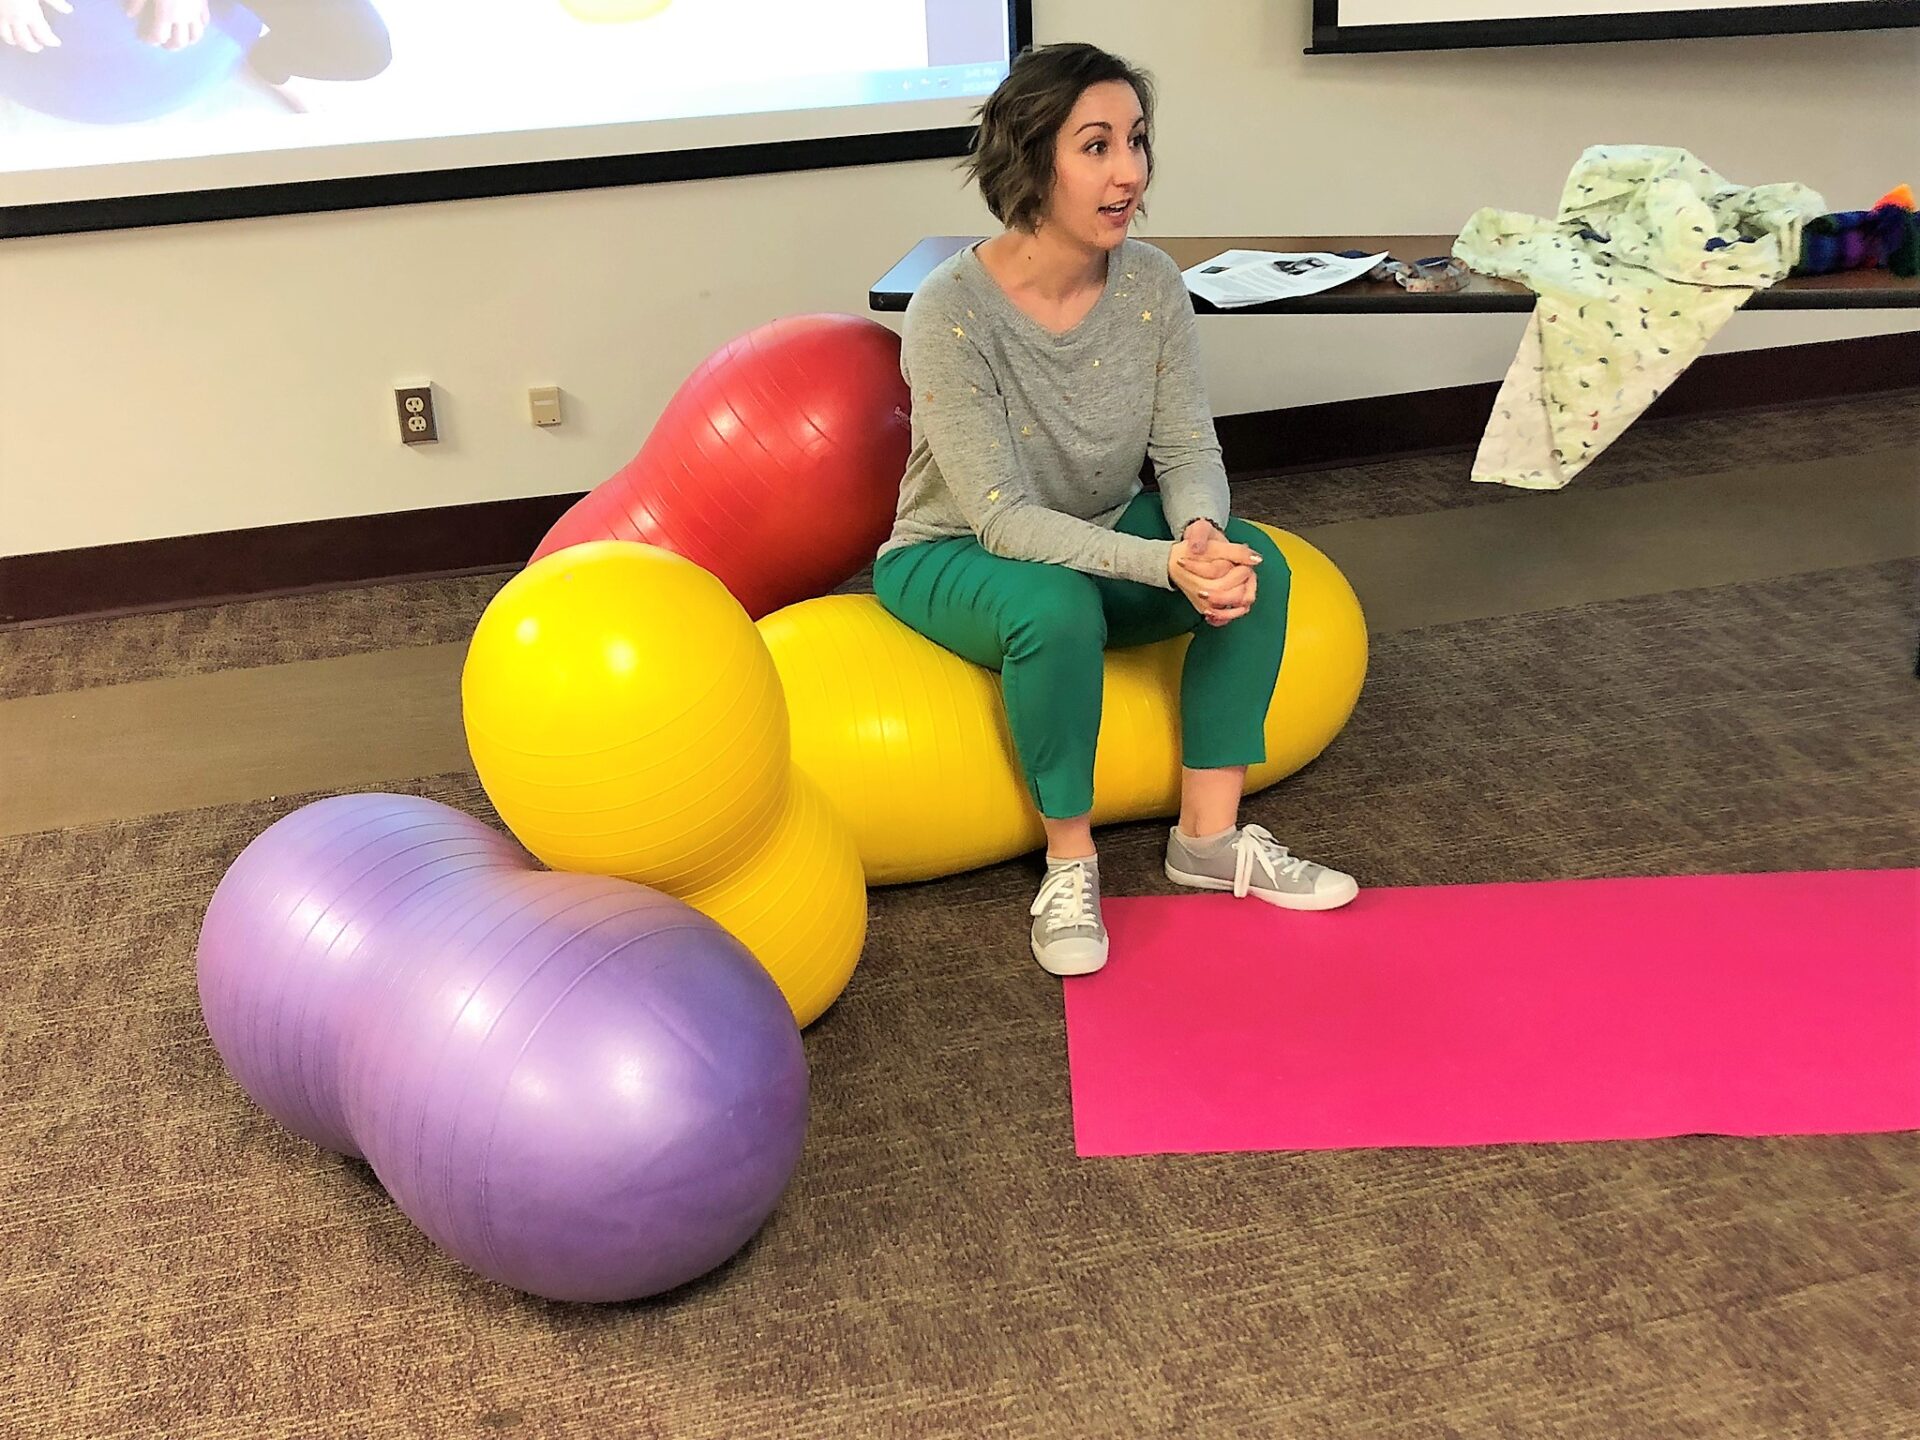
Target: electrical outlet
{"points": [[417, 425]]}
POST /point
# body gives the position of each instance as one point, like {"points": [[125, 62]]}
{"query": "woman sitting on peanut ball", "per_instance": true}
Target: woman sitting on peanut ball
{"points": [[1046, 364]]}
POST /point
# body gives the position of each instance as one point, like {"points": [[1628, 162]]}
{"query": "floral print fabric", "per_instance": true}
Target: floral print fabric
{"points": [[1650, 255]]}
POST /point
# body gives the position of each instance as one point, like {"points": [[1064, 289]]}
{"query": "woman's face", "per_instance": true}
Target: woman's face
{"points": [[1099, 166]]}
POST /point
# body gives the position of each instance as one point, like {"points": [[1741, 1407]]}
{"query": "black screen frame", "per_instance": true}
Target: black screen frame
{"points": [[1330, 38], [473, 182]]}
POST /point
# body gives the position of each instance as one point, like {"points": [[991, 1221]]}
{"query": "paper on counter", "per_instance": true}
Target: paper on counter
{"points": [[1236, 278]]}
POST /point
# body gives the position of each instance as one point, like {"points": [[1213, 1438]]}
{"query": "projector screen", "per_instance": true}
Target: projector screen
{"points": [[1364, 25], [140, 112]]}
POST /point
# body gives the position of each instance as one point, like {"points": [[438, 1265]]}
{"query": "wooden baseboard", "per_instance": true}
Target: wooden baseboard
{"points": [[185, 570], [493, 535]]}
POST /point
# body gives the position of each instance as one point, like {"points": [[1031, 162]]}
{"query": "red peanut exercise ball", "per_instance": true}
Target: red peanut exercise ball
{"points": [[776, 467]]}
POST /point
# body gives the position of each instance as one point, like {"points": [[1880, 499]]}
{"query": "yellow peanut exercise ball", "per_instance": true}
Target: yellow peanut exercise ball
{"points": [[801, 898], [908, 740], [625, 719], [1322, 671], [612, 12], [911, 744]]}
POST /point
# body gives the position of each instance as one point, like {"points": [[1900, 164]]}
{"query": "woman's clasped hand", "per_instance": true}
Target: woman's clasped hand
{"points": [[1213, 572]]}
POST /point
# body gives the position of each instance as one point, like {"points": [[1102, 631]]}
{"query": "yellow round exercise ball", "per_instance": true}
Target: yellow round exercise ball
{"points": [[625, 718]]}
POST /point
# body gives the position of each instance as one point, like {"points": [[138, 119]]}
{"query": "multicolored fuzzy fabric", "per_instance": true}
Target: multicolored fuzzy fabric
{"points": [[1888, 234]]}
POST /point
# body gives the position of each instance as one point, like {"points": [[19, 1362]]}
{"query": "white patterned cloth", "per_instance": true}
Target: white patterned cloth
{"points": [[1650, 255]]}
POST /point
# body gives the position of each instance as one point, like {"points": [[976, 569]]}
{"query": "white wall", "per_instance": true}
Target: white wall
{"points": [[212, 377]]}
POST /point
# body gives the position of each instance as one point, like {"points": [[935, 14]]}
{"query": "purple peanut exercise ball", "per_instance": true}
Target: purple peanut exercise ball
{"points": [[575, 1085]]}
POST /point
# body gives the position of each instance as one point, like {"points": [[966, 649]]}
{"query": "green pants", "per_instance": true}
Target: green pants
{"points": [[1045, 628]]}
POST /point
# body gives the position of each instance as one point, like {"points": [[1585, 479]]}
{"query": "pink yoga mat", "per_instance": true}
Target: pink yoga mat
{"points": [[1484, 1014]]}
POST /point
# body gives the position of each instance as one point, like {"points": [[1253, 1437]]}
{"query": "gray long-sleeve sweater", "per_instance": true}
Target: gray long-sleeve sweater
{"points": [[1034, 441]]}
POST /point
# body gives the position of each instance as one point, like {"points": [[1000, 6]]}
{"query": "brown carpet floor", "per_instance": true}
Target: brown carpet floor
{"points": [[172, 1264]]}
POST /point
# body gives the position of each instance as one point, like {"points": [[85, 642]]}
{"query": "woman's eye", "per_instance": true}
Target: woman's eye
{"points": [[1096, 147]]}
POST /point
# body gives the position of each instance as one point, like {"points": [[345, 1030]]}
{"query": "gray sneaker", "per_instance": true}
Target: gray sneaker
{"points": [[1254, 863], [1068, 935]]}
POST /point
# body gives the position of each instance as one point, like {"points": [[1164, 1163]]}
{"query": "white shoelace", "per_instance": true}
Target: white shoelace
{"points": [[1067, 898], [1256, 846]]}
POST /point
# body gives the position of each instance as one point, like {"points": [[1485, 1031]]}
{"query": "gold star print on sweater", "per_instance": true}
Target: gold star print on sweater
{"points": [[1033, 440]]}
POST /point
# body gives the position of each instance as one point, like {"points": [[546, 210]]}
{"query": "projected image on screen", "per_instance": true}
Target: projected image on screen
{"points": [[131, 88]]}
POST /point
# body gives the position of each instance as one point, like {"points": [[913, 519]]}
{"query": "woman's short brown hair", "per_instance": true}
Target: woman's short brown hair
{"points": [[1012, 157]]}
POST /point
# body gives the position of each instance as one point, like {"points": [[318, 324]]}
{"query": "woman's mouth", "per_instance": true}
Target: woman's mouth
{"points": [[1117, 214]]}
